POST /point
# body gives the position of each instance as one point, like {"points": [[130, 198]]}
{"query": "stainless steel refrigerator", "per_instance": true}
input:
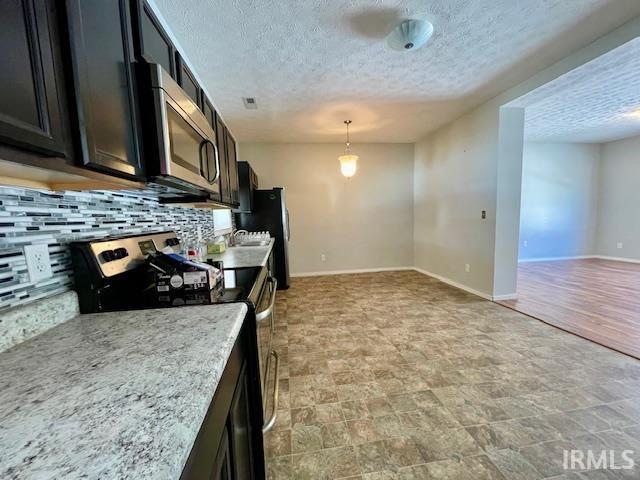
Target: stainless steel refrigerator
{"points": [[269, 213]]}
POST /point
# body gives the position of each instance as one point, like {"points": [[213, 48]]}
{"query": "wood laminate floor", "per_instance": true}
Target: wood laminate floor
{"points": [[596, 299], [398, 376]]}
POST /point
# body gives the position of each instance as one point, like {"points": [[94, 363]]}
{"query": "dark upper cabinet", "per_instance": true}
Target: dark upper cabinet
{"points": [[225, 189], [151, 41], [101, 47], [30, 116], [188, 82], [233, 169]]}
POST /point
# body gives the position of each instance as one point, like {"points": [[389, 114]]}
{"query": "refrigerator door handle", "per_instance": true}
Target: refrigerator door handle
{"points": [[288, 227]]}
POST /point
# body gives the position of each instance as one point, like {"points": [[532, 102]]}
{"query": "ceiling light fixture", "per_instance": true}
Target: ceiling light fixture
{"points": [[410, 35], [634, 114], [348, 161]]}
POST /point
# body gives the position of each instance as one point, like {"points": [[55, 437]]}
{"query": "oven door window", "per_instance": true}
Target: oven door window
{"points": [[185, 143]]}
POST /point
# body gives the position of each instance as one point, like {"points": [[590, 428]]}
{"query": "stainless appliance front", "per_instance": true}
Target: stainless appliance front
{"points": [[186, 142], [268, 358]]}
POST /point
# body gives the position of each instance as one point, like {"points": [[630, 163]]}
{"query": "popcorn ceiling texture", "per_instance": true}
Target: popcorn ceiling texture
{"points": [[597, 102], [312, 64], [55, 218]]}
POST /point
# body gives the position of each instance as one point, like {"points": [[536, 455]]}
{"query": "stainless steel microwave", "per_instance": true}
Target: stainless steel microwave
{"points": [[185, 141]]}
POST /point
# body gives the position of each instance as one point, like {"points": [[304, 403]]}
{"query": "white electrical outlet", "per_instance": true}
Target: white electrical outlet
{"points": [[467, 267], [323, 257], [619, 245], [525, 244], [38, 262]]}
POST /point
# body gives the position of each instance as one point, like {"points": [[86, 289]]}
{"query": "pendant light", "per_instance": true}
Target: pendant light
{"points": [[348, 161]]}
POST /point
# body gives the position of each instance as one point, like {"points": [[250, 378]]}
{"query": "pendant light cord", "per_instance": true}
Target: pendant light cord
{"points": [[347, 123]]}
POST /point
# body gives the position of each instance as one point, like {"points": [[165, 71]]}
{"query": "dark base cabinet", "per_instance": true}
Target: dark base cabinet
{"points": [[229, 445], [222, 464]]}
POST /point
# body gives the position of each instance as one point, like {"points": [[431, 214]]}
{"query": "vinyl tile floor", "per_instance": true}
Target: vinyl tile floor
{"points": [[396, 375]]}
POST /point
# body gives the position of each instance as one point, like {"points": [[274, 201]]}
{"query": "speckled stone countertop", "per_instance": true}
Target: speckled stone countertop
{"points": [[113, 395], [242, 257]]}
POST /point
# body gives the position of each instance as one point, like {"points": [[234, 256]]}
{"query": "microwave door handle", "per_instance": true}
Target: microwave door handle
{"points": [[203, 150], [215, 148]]}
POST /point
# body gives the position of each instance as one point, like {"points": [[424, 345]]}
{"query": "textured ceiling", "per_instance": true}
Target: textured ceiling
{"points": [[597, 102], [312, 64]]}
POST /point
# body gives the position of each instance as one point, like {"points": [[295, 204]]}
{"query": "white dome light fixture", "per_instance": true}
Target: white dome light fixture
{"points": [[410, 35], [348, 161]]}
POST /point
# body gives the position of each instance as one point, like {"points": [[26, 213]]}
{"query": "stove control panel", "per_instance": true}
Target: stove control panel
{"points": [[117, 255]]}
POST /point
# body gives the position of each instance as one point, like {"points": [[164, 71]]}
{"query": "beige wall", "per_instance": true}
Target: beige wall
{"points": [[455, 179], [360, 223], [619, 212]]}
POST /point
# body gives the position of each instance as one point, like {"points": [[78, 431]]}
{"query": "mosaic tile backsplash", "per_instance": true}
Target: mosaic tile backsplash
{"points": [[56, 218]]}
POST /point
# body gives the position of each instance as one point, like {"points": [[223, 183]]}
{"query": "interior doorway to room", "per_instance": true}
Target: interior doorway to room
{"points": [[579, 251]]}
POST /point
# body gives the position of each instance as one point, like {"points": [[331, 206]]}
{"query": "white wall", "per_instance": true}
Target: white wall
{"points": [[619, 206], [359, 223], [559, 200], [509, 175]]}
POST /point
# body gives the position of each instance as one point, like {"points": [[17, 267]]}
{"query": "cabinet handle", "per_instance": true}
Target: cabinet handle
{"points": [[267, 312], [276, 391]]}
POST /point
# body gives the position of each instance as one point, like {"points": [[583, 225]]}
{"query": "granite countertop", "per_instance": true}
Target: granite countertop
{"points": [[242, 257], [113, 395]]}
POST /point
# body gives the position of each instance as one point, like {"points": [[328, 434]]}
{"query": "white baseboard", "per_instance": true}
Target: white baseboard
{"points": [[552, 259], [509, 296], [357, 270], [580, 257], [617, 259], [448, 281]]}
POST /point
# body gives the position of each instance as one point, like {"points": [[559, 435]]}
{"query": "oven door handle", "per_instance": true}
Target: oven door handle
{"points": [[276, 391], [267, 312]]}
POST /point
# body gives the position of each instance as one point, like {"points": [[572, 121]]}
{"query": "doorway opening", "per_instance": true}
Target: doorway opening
{"points": [[579, 233]]}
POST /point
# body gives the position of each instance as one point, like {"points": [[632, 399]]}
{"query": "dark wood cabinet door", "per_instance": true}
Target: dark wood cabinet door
{"points": [[30, 116], [102, 64], [233, 169], [210, 114], [225, 187], [222, 464], [188, 82], [240, 431], [151, 41]]}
